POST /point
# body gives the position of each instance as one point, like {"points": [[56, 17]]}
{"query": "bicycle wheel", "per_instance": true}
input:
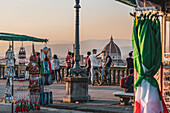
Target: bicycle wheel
{"points": [[99, 79]]}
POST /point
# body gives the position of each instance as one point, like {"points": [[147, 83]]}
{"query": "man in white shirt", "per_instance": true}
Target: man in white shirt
{"points": [[94, 64]]}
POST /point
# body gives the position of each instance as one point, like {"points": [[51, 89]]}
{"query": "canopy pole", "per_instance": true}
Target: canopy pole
{"points": [[163, 35], [169, 36], [13, 83], [12, 45]]}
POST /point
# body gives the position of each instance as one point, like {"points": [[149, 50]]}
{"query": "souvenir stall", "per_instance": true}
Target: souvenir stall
{"points": [[46, 78], [149, 45], [23, 97]]}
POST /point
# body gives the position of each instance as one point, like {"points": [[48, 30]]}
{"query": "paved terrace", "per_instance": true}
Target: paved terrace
{"points": [[102, 98]]}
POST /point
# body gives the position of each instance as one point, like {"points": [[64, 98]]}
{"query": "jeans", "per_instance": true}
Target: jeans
{"points": [[93, 68], [108, 72], [67, 68], [55, 72], [88, 73]]}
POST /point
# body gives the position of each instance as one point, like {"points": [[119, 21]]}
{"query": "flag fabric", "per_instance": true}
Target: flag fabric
{"points": [[146, 41], [46, 67]]}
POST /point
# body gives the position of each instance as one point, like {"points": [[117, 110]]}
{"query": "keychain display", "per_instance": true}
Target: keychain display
{"points": [[9, 73], [22, 67], [22, 104]]}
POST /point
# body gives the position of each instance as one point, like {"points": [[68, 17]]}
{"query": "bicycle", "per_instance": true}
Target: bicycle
{"points": [[98, 77], [106, 78]]}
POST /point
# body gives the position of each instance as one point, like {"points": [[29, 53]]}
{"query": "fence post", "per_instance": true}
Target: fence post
{"points": [[118, 77], [114, 77]]}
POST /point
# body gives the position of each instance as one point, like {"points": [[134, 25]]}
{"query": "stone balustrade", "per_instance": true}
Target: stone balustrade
{"points": [[116, 73]]}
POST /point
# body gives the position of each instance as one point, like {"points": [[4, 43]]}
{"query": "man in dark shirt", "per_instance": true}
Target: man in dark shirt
{"points": [[88, 63], [129, 63], [107, 66]]}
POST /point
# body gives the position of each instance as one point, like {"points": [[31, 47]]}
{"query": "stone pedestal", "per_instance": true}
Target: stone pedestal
{"points": [[76, 89]]}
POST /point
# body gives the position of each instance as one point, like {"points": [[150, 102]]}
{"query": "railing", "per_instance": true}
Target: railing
{"points": [[116, 73]]}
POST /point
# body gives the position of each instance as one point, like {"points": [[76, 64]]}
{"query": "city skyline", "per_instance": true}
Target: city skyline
{"points": [[54, 19]]}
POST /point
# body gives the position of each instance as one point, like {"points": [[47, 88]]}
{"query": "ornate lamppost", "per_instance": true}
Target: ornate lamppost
{"points": [[77, 83]]}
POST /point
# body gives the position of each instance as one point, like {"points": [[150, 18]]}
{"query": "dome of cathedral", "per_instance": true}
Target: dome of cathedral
{"points": [[112, 48]]}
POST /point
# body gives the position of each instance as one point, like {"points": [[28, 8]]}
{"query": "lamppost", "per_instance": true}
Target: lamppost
{"points": [[77, 70], [77, 83]]}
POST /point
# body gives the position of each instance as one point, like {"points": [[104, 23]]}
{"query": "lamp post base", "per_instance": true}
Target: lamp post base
{"points": [[76, 89]]}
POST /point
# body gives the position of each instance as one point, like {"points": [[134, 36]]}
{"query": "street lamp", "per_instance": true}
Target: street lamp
{"points": [[77, 84], [77, 70]]}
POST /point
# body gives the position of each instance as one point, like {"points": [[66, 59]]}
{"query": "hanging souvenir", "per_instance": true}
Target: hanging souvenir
{"points": [[34, 82], [46, 66], [22, 67], [9, 73]]}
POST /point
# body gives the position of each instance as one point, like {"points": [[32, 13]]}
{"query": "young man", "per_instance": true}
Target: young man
{"points": [[129, 62], [107, 66], [68, 63], [94, 64], [88, 63]]}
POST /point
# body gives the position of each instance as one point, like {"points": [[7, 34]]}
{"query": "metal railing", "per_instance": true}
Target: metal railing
{"points": [[116, 73]]}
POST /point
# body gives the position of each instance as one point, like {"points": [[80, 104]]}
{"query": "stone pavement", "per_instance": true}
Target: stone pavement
{"points": [[102, 98]]}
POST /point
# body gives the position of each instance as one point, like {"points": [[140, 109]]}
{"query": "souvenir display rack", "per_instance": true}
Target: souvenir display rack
{"points": [[21, 68], [9, 74], [34, 82], [166, 80]]}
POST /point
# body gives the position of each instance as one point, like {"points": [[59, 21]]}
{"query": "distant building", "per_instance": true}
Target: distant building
{"points": [[114, 52]]}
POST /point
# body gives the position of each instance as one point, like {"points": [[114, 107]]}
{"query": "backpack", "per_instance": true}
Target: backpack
{"points": [[123, 82]]}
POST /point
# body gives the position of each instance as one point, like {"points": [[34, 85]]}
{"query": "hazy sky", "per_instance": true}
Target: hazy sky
{"points": [[54, 19]]}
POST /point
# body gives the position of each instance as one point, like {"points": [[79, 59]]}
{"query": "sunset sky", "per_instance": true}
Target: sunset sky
{"points": [[54, 19]]}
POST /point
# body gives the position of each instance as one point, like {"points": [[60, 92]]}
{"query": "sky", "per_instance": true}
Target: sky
{"points": [[55, 19]]}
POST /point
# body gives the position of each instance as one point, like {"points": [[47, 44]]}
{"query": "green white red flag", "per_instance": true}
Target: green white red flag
{"points": [[146, 41]]}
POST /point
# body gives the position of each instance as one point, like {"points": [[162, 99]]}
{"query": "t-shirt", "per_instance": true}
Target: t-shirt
{"points": [[129, 62], [110, 61], [88, 63], [93, 60], [56, 65], [68, 61]]}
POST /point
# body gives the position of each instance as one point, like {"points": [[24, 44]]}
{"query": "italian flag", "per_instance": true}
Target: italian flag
{"points": [[148, 100], [146, 41], [46, 67]]}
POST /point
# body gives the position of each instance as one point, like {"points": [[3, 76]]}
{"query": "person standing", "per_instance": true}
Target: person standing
{"points": [[56, 67], [39, 60], [68, 63], [129, 63], [72, 60], [88, 63], [94, 64], [107, 66]]}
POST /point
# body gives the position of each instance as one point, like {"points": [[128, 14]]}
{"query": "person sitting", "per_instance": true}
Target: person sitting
{"points": [[130, 82]]}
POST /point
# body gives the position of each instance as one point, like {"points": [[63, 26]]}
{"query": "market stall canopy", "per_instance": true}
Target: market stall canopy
{"points": [[17, 37], [133, 2], [156, 3]]}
